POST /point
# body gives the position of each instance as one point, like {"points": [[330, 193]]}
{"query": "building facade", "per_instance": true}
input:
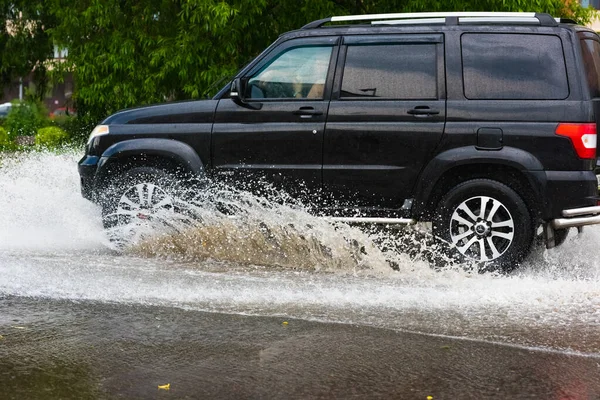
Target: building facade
{"points": [[58, 95]]}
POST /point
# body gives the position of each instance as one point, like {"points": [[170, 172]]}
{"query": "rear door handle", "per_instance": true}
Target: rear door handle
{"points": [[307, 112], [423, 111]]}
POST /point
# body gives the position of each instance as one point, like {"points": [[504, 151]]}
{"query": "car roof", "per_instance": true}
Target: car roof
{"points": [[433, 22]]}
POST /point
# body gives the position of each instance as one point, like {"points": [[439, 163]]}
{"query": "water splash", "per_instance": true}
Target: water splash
{"points": [[41, 207], [278, 260], [235, 226]]}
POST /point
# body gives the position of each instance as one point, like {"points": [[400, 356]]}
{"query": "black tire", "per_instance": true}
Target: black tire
{"points": [[158, 188], [483, 214]]}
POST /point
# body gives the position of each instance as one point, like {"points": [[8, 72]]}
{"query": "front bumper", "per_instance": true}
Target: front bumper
{"points": [[87, 172], [576, 217]]}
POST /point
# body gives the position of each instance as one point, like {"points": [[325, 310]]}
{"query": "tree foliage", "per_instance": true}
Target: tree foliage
{"points": [[131, 52], [25, 43]]}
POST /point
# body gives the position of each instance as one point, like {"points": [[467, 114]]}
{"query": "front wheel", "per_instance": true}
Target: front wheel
{"points": [[139, 201], [486, 222]]}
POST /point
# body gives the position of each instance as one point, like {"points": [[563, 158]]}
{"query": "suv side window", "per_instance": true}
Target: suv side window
{"points": [[505, 67], [591, 60], [394, 71], [298, 72]]}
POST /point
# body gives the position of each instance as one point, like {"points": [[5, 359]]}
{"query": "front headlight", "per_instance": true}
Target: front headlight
{"points": [[99, 130]]}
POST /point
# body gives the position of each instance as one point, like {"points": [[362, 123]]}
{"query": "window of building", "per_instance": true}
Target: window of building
{"points": [[593, 3], [60, 52]]}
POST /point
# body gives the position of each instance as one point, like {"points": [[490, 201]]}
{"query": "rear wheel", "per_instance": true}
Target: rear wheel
{"points": [[486, 222]]}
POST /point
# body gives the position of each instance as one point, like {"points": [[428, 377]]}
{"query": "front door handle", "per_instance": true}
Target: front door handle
{"points": [[423, 111], [307, 112]]}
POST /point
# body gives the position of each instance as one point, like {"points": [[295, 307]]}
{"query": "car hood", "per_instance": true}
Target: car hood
{"points": [[198, 111]]}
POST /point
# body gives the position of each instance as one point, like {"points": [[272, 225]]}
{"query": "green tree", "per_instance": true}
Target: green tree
{"points": [[125, 53], [25, 42], [128, 52], [558, 8]]}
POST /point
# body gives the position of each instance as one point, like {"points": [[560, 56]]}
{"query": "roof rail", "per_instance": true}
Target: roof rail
{"points": [[450, 18]]}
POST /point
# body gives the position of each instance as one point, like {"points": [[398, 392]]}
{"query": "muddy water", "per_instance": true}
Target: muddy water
{"points": [[278, 261]]}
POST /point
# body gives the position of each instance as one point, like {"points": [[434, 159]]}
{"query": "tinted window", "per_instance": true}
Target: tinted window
{"points": [[591, 60], [296, 73], [509, 66], [396, 71]]}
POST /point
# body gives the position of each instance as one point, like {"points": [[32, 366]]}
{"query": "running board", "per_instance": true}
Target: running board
{"points": [[373, 220]]}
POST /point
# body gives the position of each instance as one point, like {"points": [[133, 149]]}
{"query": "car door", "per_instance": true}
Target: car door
{"points": [[276, 134], [385, 119]]}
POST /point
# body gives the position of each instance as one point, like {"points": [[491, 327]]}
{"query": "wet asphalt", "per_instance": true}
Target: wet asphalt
{"points": [[54, 349]]}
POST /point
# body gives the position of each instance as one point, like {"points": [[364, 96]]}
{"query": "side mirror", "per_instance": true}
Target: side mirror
{"points": [[236, 90], [236, 93]]}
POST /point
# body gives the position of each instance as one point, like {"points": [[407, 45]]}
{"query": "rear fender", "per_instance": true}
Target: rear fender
{"points": [[513, 158]]}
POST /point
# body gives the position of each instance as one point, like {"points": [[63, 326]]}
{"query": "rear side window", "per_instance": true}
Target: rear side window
{"points": [[395, 71], [591, 59], [513, 67]]}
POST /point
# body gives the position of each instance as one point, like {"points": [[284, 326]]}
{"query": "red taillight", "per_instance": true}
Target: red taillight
{"points": [[583, 137]]}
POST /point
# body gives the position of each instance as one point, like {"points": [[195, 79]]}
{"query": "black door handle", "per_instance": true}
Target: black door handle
{"points": [[423, 111], [307, 112]]}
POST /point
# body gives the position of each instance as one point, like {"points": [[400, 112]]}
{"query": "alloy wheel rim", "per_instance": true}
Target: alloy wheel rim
{"points": [[482, 228], [143, 200]]}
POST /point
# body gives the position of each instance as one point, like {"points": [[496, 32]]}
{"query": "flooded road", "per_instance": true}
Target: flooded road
{"points": [[76, 312], [86, 350]]}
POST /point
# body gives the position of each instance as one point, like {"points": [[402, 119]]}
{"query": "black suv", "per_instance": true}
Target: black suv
{"points": [[482, 123]]}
